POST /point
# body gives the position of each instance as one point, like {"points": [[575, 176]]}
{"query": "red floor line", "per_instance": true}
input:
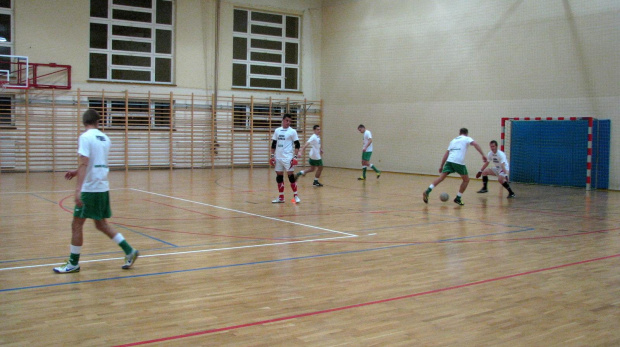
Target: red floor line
{"points": [[434, 291]]}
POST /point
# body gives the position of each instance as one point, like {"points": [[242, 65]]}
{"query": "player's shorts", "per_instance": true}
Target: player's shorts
{"points": [[315, 162], [366, 156], [453, 167], [94, 206], [497, 171], [284, 165]]}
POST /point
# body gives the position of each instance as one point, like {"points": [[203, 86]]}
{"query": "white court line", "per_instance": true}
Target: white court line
{"points": [[247, 213], [184, 252], [347, 235]]}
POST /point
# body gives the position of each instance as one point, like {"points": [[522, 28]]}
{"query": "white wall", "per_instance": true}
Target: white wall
{"points": [[415, 71]]}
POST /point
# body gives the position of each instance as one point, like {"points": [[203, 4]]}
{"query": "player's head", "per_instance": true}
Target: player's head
{"points": [[316, 128], [361, 128], [90, 117], [287, 118], [463, 131], [493, 145]]}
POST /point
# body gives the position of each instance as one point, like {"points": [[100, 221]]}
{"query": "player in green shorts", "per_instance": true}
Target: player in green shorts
{"points": [[454, 161], [367, 152], [316, 152], [92, 199]]}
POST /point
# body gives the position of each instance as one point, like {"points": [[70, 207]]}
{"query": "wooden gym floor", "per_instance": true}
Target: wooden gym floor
{"points": [[354, 264]]}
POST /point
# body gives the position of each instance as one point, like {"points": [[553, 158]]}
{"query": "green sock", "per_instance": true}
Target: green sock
{"points": [[126, 247], [364, 172], [428, 191], [74, 259], [374, 168]]}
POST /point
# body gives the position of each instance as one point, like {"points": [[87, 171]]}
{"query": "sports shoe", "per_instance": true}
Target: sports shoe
{"points": [[67, 268], [378, 174], [130, 259], [483, 190], [361, 178], [278, 201], [317, 183], [458, 201], [425, 197], [511, 195], [296, 199]]}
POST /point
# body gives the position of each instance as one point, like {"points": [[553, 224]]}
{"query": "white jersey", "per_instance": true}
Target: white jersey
{"points": [[496, 159], [315, 147], [95, 145], [458, 149], [367, 137], [285, 146]]}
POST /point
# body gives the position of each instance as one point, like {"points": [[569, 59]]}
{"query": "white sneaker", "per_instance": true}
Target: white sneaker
{"points": [[130, 259], [278, 201], [296, 199], [67, 268]]}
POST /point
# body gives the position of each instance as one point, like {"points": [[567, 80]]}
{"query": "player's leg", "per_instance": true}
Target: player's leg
{"points": [[319, 169], [131, 254], [365, 164], [485, 180], [75, 249], [291, 179], [442, 176], [280, 182], [462, 171], [503, 180]]}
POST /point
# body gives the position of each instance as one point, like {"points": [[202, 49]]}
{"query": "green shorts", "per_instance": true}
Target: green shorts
{"points": [[366, 156], [318, 162], [452, 167], [94, 206]]}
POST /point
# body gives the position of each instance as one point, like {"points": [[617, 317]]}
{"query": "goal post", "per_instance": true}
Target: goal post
{"points": [[565, 151]]}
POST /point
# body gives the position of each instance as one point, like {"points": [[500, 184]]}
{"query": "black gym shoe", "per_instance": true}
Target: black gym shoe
{"points": [[511, 195], [483, 190], [425, 197], [458, 201], [317, 183]]}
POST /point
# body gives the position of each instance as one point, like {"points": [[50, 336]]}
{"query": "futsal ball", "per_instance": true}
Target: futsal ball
{"points": [[444, 197]]}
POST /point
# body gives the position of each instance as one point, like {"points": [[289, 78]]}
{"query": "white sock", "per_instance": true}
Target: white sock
{"points": [[75, 249], [431, 186], [118, 238]]}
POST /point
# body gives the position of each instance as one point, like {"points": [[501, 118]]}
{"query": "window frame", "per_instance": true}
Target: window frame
{"points": [[112, 111], [254, 62], [121, 48], [7, 119], [259, 117]]}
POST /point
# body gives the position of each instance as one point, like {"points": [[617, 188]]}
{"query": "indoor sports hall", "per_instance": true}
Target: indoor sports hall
{"points": [[191, 93]]}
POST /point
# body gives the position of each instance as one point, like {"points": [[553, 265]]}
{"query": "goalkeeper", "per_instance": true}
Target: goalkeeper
{"points": [[499, 167], [284, 149]]}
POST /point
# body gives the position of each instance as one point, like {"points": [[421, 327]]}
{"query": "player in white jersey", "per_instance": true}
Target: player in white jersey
{"points": [[367, 152], [92, 198], [497, 165], [454, 161], [316, 150], [284, 149]]}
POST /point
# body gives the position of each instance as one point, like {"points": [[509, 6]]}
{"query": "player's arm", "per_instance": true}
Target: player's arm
{"points": [[477, 147], [484, 166], [81, 175], [272, 160], [443, 161], [367, 145]]}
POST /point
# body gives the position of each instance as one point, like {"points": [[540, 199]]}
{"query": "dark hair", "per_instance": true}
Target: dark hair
{"points": [[287, 115], [315, 126], [493, 142], [361, 126], [90, 117], [463, 131]]}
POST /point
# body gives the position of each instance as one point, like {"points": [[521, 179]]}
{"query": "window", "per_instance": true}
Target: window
{"points": [[261, 119], [6, 111], [6, 27], [141, 114], [266, 50], [131, 41]]}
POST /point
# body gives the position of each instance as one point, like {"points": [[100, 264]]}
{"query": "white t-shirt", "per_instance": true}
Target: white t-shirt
{"points": [[285, 146], [367, 136], [458, 149], [95, 145], [315, 147], [497, 159]]}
